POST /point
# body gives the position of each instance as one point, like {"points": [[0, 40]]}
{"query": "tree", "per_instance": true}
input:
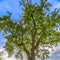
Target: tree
{"points": [[35, 30]]}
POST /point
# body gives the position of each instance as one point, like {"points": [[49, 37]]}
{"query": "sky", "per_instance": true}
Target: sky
{"points": [[13, 7]]}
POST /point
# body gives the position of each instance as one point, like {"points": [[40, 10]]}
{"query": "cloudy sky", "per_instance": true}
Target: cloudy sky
{"points": [[13, 7]]}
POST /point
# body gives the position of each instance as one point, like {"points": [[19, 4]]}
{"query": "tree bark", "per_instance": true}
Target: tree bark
{"points": [[32, 55], [31, 58]]}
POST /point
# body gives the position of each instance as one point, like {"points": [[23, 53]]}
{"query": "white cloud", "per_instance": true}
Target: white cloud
{"points": [[5, 55]]}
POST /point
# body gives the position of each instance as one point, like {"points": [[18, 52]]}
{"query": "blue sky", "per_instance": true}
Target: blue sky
{"points": [[13, 7]]}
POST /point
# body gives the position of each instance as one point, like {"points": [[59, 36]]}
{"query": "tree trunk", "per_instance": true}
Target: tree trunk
{"points": [[32, 54], [32, 57]]}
